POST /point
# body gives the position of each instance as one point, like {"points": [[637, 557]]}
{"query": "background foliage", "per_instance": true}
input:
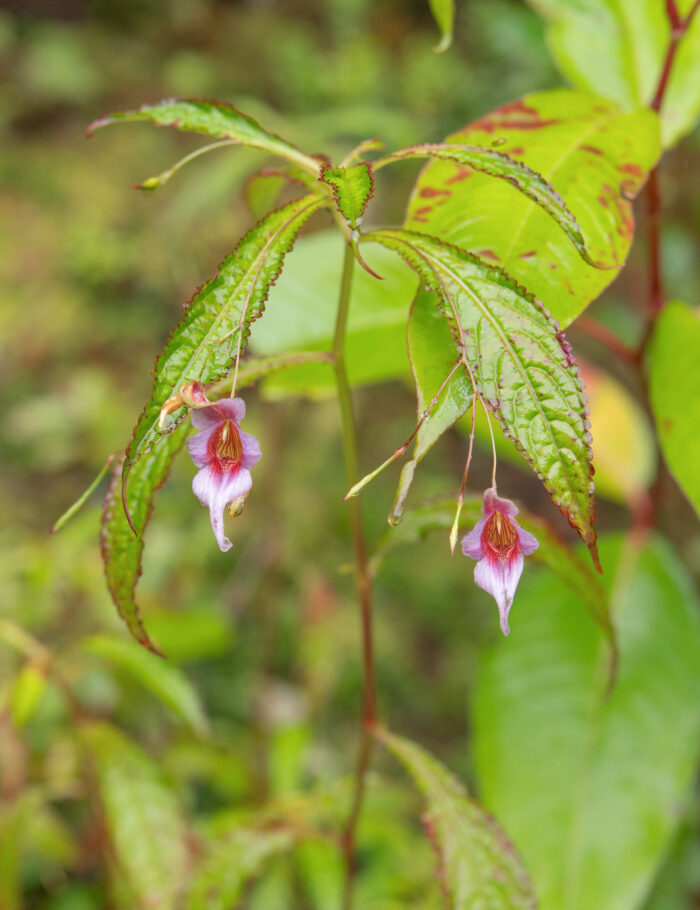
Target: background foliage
{"points": [[258, 705]]}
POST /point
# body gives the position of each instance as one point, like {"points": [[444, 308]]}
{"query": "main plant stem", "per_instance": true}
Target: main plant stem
{"points": [[363, 580]]}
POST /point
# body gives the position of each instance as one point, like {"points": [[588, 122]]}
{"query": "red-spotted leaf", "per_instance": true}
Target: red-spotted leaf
{"points": [[523, 178], [478, 866], [594, 155], [523, 366], [353, 187], [211, 118]]}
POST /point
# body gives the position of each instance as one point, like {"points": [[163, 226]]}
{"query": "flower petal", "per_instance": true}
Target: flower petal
{"points": [[197, 446], [216, 490], [251, 449], [224, 409], [500, 578], [495, 503], [528, 542], [471, 542]]}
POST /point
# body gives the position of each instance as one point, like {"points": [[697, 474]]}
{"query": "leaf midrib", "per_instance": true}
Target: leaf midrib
{"points": [[256, 266]]}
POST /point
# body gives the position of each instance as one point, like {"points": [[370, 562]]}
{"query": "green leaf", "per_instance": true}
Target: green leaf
{"points": [[353, 187], [478, 866], [217, 320], [300, 316], [552, 552], [616, 48], [229, 862], [431, 352], [591, 789], [519, 175], [594, 156], [444, 14], [263, 189], [163, 679], [146, 829], [523, 367], [27, 689], [122, 549], [211, 118], [674, 379]]}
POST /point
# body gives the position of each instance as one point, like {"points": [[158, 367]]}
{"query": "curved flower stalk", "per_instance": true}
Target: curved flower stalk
{"points": [[499, 544], [224, 454]]}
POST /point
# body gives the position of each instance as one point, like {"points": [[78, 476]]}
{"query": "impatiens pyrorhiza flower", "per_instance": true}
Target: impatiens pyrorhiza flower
{"points": [[498, 543], [225, 454]]}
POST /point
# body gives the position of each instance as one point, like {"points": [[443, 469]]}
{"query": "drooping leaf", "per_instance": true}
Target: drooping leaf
{"points": [[552, 552], [590, 788], [444, 14], [211, 118], [162, 678], [594, 156], [616, 48], [145, 826], [122, 549], [217, 319], [353, 187], [674, 376], [229, 862], [477, 864], [301, 316], [523, 367], [432, 354], [520, 175]]}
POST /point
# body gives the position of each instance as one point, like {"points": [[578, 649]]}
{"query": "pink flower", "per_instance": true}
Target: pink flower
{"points": [[499, 543], [224, 453]]}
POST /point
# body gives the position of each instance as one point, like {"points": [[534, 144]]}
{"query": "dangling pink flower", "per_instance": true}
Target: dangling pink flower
{"points": [[224, 453], [499, 543]]}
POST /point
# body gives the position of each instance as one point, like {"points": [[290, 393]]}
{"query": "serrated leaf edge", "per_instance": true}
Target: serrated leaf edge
{"points": [[588, 536]]}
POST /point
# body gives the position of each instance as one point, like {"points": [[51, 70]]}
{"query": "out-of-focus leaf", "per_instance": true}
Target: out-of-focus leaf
{"points": [[552, 552], [675, 394], [477, 864], [26, 692], [229, 862], [623, 442], [321, 870], [523, 367], [301, 316], [352, 187], [211, 118], [616, 48], [594, 156], [146, 829], [163, 679], [515, 172], [591, 790], [444, 13]]}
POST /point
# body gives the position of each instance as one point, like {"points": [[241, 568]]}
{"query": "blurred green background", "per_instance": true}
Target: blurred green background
{"points": [[92, 276]]}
